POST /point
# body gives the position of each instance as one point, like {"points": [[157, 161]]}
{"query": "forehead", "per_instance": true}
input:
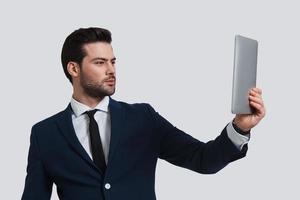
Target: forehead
{"points": [[99, 49]]}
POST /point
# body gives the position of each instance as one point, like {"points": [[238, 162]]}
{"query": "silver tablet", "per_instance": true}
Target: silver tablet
{"points": [[244, 73]]}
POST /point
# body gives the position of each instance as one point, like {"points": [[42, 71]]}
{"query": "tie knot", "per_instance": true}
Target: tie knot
{"points": [[91, 113]]}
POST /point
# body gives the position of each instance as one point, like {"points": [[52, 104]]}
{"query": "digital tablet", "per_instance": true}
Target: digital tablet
{"points": [[244, 73]]}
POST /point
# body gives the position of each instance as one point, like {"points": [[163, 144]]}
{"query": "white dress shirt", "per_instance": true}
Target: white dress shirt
{"points": [[81, 124], [238, 140], [102, 117]]}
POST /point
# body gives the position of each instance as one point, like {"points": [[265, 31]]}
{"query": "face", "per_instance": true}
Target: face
{"points": [[97, 73]]}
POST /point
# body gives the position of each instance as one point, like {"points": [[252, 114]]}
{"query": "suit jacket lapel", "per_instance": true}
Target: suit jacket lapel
{"points": [[65, 124], [117, 126]]}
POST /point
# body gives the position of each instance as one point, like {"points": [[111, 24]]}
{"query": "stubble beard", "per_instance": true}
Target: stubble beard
{"points": [[94, 89]]}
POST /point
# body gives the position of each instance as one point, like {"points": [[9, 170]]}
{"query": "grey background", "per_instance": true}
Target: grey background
{"points": [[175, 55]]}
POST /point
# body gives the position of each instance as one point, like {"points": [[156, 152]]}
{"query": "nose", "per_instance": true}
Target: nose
{"points": [[110, 69]]}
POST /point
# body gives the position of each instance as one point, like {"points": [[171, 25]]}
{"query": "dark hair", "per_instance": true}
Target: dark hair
{"points": [[73, 46]]}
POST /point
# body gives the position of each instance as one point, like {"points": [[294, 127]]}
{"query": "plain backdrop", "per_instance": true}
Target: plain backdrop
{"points": [[175, 55]]}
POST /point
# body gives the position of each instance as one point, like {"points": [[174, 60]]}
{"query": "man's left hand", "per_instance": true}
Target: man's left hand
{"points": [[247, 121]]}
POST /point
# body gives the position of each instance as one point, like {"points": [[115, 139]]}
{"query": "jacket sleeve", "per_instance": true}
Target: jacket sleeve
{"points": [[181, 149], [38, 185]]}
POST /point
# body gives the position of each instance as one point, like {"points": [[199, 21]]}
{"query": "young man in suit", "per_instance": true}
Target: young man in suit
{"points": [[100, 148]]}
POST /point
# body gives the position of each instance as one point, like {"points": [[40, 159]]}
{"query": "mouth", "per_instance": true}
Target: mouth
{"points": [[110, 81]]}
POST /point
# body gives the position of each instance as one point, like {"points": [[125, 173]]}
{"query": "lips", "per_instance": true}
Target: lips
{"points": [[110, 81]]}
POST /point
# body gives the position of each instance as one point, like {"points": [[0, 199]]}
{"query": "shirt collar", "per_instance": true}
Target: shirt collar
{"points": [[79, 108]]}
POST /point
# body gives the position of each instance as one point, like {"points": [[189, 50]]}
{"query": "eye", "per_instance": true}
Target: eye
{"points": [[99, 62]]}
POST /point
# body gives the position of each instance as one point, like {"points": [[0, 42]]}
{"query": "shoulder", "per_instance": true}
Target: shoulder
{"points": [[49, 121], [143, 108], [131, 106]]}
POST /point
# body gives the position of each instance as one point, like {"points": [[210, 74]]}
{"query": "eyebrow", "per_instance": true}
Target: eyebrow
{"points": [[104, 59]]}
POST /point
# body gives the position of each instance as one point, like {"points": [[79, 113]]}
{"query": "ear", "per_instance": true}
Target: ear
{"points": [[73, 69]]}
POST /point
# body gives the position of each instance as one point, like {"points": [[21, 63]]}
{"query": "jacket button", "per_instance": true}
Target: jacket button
{"points": [[107, 186]]}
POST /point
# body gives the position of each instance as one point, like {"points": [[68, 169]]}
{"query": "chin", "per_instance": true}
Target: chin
{"points": [[109, 93]]}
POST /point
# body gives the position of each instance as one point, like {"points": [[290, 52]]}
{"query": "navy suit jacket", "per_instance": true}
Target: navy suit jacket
{"points": [[139, 136]]}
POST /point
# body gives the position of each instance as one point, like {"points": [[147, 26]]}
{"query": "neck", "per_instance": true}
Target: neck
{"points": [[83, 98]]}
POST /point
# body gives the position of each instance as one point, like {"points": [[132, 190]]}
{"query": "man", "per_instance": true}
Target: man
{"points": [[100, 148]]}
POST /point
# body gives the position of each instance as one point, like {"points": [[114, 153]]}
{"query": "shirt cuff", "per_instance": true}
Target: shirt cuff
{"points": [[237, 139]]}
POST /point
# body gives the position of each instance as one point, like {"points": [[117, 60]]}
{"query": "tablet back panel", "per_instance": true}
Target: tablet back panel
{"points": [[244, 73]]}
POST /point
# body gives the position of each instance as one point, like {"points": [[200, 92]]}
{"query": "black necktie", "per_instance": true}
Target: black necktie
{"points": [[96, 145]]}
